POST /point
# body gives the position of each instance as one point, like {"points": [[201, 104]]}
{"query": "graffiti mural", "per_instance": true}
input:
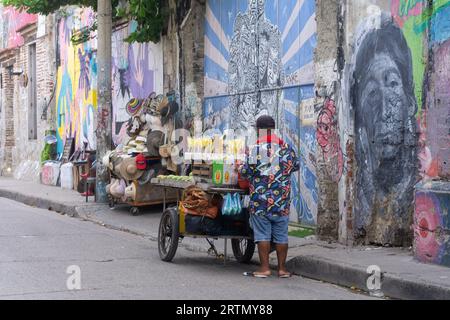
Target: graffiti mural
{"points": [[438, 113], [76, 92], [134, 75], [385, 106], [432, 205], [419, 20], [329, 140], [300, 133], [255, 62], [259, 60], [432, 225], [12, 20]]}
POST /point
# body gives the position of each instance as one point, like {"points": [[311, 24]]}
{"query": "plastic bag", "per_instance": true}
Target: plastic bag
{"points": [[232, 205], [227, 207], [237, 204]]}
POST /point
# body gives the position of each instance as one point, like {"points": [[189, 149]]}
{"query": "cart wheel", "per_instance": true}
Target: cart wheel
{"points": [[134, 211], [168, 234], [243, 249]]}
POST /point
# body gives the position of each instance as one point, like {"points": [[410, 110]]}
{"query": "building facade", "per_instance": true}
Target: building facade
{"points": [[361, 89], [28, 79]]}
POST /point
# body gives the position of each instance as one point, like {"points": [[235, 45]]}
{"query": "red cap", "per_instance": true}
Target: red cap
{"points": [[141, 162]]}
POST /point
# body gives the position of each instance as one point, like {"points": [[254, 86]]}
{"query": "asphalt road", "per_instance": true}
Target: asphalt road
{"points": [[37, 247]]}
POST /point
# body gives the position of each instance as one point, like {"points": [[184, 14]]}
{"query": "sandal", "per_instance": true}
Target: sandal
{"points": [[255, 275], [284, 275]]}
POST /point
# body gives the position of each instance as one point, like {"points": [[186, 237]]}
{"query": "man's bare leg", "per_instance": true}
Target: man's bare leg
{"points": [[263, 251], [282, 250]]}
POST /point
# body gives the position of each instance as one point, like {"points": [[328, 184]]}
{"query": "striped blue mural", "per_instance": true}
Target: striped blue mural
{"points": [[253, 45]]}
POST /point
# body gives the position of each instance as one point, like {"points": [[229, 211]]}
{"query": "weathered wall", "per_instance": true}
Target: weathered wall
{"points": [[20, 154], [12, 20], [329, 155], [192, 61], [432, 199], [27, 152], [137, 71], [271, 73], [388, 110], [7, 116]]}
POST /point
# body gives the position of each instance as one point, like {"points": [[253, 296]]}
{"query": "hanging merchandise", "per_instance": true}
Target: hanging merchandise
{"points": [[134, 107], [231, 205], [226, 207], [168, 111], [237, 204], [155, 139], [140, 159]]}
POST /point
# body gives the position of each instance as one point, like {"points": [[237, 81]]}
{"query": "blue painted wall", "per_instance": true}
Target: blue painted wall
{"points": [[291, 41]]}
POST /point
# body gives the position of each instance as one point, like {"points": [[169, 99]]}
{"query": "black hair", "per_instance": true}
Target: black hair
{"points": [[265, 122]]}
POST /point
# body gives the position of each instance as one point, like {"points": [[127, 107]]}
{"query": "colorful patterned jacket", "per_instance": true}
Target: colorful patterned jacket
{"points": [[269, 168]]}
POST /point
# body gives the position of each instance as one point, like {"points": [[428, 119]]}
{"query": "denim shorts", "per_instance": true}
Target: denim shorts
{"points": [[270, 228]]}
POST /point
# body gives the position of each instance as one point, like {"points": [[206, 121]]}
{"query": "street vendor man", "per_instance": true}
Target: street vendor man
{"points": [[268, 168]]}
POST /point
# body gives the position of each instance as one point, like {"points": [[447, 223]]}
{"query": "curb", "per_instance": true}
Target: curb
{"points": [[392, 286], [81, 212], [37, 202], [308, 266]]}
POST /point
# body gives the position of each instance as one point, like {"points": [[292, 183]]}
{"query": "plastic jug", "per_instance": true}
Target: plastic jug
{"points": [[67, 176]]}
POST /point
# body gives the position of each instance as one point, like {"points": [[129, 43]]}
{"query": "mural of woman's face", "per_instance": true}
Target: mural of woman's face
{"points": [[384, 106]]}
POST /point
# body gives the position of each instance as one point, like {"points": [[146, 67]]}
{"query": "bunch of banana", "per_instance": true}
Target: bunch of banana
{"points": [[235, 147], [176, 178]]}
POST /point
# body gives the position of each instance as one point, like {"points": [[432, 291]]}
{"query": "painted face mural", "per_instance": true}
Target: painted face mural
{"points": [[385, 107]]}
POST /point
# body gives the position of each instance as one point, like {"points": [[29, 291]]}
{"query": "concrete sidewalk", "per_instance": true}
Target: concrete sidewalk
{"points": [[402, 276]]}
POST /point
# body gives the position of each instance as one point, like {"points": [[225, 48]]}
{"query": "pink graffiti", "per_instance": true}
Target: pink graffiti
{"points": [[15, 20], [438, 112], [402, 10], [427, 220], [47, 175], [328, 139], [428, 165]]}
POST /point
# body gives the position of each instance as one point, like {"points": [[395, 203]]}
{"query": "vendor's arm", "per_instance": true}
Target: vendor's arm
{"points": [[246, 169]]}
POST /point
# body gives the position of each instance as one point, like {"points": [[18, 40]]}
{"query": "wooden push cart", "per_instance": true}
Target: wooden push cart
{"points": [[146, 195], [172, 226]]}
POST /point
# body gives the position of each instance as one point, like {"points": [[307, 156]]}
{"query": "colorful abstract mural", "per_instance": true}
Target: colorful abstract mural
{"points": [[426, 26], [76, 92], [259, 60], [136, 73]]}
